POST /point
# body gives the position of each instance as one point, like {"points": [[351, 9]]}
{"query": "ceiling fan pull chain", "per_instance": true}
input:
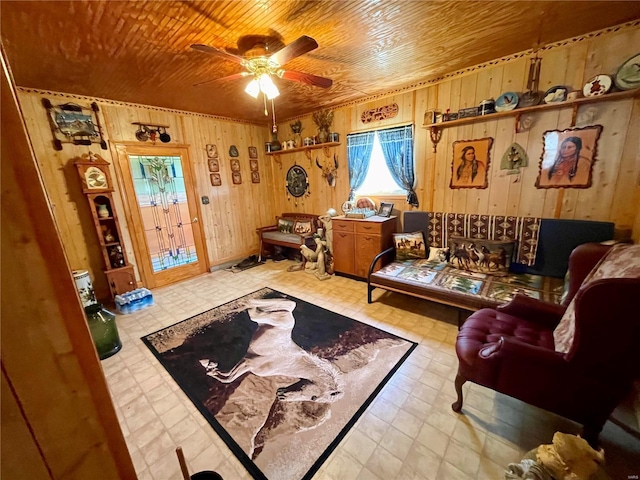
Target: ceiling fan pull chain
{"points": [[273, 111]]}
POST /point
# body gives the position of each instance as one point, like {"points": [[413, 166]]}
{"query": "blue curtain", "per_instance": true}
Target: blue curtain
{"points": [[359, 147], [397, 148]]}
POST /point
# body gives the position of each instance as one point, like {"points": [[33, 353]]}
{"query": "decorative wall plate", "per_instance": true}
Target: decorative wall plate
{"points": [[598, 85], [529, 99], [555, 94], [507, 101], [628, 75]]}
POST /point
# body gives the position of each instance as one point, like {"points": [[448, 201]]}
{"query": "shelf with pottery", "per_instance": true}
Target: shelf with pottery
{"points": [[435, 129], [306, 149]]}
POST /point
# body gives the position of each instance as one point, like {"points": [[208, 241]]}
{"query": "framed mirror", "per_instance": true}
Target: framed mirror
{"points": [[297, 181]]}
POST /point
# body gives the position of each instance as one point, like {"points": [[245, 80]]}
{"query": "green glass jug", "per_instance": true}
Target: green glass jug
{"points": [[102, 325]]}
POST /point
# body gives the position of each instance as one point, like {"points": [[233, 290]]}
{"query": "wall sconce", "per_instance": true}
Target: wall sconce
{"points": [[150, 131]]}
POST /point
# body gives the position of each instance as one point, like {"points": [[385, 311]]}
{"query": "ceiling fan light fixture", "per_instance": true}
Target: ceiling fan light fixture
{"points": [[253, 88], [268, 87]]}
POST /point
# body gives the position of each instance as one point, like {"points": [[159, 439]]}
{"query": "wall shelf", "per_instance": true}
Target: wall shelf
{"points": [[307, 151], [435, 129]]}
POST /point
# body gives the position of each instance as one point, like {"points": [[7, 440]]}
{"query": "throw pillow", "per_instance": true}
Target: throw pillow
{"points": [[437, 254], [302, 228], [481, 256], [409, 246], [285, 225], [622, 261]]}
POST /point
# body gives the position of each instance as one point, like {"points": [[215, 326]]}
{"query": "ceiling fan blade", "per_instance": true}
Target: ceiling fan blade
{"points": [[215, 51], [296, 48], [307, 78], [223, 79]]}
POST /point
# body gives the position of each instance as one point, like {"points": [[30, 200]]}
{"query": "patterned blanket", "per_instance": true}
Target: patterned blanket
{"points": [[498, 289], [523, 230]]}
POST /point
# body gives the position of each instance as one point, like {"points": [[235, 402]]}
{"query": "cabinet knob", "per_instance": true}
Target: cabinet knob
{"points": [[194, 220], [130, 283]]}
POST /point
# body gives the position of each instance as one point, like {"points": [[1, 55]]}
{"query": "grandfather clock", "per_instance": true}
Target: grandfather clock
{"points": [[98, 188]]}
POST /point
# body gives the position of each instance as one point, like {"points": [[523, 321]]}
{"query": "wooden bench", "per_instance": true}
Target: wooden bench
{"points": [[297, 235]]}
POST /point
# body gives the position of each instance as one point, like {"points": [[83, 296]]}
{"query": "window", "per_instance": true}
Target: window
{"points": [[381, 163], [379, 180]]}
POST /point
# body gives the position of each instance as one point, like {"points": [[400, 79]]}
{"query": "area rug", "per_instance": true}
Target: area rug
{"points": [[279, 379]]}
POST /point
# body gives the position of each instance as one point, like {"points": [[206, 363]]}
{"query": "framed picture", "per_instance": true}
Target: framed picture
{"points": [[212, 151], [385, 209], [255, 177], [216, 180], [214, 165], [253, 164], [76, 124], [235, 165], [567, 157], [237, 178], [470, 165], [253, 152]]}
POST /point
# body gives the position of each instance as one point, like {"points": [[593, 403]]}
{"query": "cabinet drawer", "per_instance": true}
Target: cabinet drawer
{"points": [[369, 228], [342, 226]]}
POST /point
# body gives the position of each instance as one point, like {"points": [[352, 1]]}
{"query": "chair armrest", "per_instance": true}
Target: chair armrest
{"points": [[377, 258], [543, 313], [266, 229], [515, 351]]}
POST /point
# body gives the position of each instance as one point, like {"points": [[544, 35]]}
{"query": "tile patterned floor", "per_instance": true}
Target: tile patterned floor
{"points": [[408, 432]]}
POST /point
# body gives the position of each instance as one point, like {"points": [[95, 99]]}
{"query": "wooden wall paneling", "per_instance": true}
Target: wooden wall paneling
{"points": [[516, 69], [21, 457], [499, 181], [62, 185], [74, 424], [625, 207], [340, 193], [606, 53], [596, 202], [534, 201]]}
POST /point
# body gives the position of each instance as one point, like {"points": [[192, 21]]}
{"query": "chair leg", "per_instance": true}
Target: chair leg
{"points": [[591, 432], [457, 405]]}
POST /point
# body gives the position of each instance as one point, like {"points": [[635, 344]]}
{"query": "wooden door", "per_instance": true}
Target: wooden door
{"points": [[163, 212]]}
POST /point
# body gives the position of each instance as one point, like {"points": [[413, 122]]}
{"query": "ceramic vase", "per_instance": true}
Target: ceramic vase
{"points": [[103, 211]]}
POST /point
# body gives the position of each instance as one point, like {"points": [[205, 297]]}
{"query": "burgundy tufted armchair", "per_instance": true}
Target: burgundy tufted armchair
{"points": [[511, 349]]}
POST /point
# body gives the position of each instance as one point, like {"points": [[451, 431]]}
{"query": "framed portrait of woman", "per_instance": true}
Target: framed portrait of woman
{"points": [[470, 165], [568, 157]]}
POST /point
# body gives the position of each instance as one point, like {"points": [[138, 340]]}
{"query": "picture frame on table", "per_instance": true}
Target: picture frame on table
{"points": [[385, 209]]}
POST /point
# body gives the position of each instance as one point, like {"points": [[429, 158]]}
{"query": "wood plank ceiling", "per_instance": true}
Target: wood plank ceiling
{"points": [[138, 51]]}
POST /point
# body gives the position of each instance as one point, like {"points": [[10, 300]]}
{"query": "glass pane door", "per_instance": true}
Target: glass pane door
{"points": [[160, 190]]}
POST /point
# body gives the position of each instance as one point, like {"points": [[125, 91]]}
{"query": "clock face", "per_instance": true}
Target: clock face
{"points": [[96, 179]]}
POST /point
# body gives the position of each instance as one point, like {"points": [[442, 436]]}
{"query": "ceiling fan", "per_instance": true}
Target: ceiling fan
{"points": [[255, 58]]}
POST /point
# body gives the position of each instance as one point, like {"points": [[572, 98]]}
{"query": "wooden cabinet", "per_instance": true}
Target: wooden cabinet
{"points": [[357, 241], [96, 185], [121, 280], [119, 272]]}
